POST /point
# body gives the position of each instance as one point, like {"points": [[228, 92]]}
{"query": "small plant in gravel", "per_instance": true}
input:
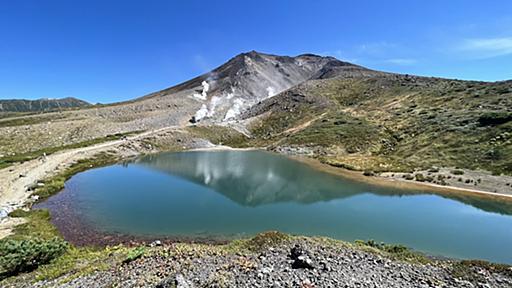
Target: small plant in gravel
{"points": [[396, 251], [25, 255], [264, 240], [470, 270], [134, 254]]}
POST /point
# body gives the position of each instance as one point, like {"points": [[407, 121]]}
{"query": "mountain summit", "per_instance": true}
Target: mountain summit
{"points": [[252, 77]]}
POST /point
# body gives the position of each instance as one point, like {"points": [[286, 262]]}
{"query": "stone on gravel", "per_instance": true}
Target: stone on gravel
{"points": [[177, 281], [300, 258]]}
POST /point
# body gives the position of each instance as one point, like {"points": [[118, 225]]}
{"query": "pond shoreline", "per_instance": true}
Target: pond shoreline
{"points": [[20, 196], [399, 182]]}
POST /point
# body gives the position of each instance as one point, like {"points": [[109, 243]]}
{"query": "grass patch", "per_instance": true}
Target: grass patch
{"points": [[81, 261], [260, 242], [38, 225], [56, 183], [29, 120], [75, 262], [469, 270], [220, 135], [395, 251], [377, 164], [134, 254], [340, 129], [22, 157]]}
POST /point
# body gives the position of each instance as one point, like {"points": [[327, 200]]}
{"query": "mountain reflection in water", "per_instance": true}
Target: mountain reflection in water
{"points": [[253, 178]]}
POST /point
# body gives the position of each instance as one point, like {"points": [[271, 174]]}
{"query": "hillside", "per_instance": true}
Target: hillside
{"points": [[40, 105], [392, 122]]}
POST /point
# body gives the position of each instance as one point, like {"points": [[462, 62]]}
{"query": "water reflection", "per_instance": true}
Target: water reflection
{"points": [[253, 178]]}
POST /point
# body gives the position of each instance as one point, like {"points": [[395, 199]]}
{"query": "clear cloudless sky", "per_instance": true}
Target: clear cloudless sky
{"points": [[106, 51]]}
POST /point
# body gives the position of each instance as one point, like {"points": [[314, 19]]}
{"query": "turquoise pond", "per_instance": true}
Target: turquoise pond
{"points": [[230, 194]]}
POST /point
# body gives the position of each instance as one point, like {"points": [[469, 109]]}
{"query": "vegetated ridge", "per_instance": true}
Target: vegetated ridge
{"points": [[40, 105]]}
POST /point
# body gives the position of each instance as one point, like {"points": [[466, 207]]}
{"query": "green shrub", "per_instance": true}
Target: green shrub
{"points": [[420, 177], [494, 118], [25, 255], [408, 177], [457, 172], [19, 213], [368, 173]]}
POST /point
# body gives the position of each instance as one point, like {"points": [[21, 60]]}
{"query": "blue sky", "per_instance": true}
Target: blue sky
{"points": [[106, 51]]}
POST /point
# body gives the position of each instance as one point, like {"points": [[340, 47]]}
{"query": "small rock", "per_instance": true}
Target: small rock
{"points": [[178, 281], [296, 251], [266, 270], [304, 262]]}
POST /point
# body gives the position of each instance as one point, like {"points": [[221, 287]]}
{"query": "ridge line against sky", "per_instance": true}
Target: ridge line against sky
{"points": [[108, 51]]}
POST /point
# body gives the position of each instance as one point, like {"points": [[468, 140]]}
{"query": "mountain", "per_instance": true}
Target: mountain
{"points": [[251, 77], [355, 117], [343, 114], [40, 105]]}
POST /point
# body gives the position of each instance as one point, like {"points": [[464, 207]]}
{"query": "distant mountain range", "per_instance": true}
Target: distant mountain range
{"points": [[39, 105]]}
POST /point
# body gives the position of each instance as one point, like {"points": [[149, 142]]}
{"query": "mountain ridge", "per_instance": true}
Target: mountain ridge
{"points": [[40, 105]]}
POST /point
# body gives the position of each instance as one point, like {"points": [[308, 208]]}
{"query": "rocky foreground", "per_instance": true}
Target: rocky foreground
{"points": [[283, 261]]}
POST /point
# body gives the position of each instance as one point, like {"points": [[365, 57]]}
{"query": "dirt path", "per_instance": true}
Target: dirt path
{"points": [[302, 126]]}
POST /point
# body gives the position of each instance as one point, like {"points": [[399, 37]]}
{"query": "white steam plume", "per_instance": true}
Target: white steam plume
{"points": [[271, 91], [203, 95], [201, 113], [235, 109], [213, 104]]}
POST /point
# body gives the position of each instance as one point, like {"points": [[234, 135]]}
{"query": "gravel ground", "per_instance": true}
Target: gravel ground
{"points": [[298, 262]]}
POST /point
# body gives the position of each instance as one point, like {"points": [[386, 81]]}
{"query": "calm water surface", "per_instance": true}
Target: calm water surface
{"points": [[239, 193]]}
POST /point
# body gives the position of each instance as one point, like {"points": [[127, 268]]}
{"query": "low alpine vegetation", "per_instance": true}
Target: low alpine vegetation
{"points": [[26, 255]]}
